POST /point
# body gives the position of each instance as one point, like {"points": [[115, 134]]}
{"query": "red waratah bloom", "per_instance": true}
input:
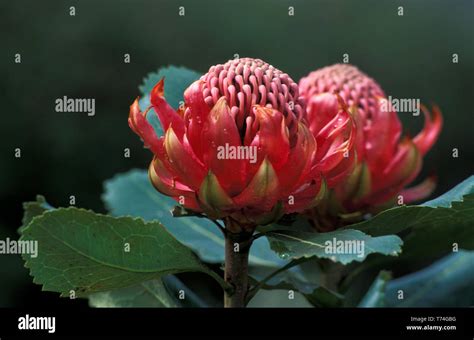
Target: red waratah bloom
{"points": [[237, 109], [386, 163]]}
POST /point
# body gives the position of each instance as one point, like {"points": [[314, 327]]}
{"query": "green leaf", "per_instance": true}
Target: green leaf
{"points": [[456, 194], [131, 194], [87, 252], [146, 294], [135, 296], [452, 208], [427, 232], [448, 282], [349, 245], [177, 79], [32, 209], [375, 296]]}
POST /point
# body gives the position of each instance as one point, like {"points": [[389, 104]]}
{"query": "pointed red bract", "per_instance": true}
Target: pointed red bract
{"points": [[221, 134], [168, 117], [140, 125], [431, 130]]}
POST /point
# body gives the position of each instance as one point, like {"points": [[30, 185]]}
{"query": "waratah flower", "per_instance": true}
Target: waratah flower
{"points": [[386, 162], [238, 148]]}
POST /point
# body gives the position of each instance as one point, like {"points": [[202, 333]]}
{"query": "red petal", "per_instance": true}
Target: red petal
{"points": [[184, 163], [420, 191], [296, 171], [356, 187], [190, 202], [266, 131], [382, 134], [195, 116], [221, 135], [213, 198], [427, 137], [273, 140], [359, 140], [164, 181], [404, 167], [307, 196], [342, 170], [262, 191], [334, 141], [321, 110], [140, 125], [168, 117]]}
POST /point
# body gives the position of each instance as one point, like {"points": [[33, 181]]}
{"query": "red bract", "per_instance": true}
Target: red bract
{"points": [[334, 130], [242, 107], [386, 162]]}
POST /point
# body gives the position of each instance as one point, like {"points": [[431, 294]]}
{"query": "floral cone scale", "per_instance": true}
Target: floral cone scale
{"points": [[386, 162], [242, 107]]}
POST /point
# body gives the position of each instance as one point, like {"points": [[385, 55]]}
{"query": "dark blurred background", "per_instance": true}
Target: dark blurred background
{"points": [[82, 56]]}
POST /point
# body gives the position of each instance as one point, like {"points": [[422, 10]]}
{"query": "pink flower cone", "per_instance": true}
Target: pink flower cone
{"points": [[242, 103], [386, 162]]}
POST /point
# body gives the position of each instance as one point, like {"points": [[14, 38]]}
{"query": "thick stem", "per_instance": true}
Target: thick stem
{"points": [[237, 247]]}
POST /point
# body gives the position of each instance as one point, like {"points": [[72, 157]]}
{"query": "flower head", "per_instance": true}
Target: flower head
{"points": [[238, 147], [386, 161]]}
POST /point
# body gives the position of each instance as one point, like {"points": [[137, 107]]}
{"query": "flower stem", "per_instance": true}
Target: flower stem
{"points": [[237, 247]]}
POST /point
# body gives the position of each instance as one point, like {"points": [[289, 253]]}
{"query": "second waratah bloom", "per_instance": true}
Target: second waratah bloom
{"points": [[386, 161], [238, 148]]}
